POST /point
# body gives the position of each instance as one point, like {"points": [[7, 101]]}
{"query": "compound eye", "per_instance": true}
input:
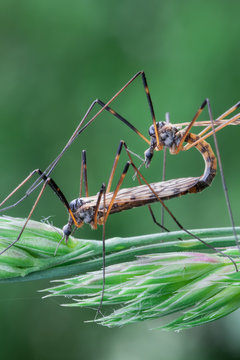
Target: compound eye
{"points": [[148, 156], [151, 130], [67, 230]]}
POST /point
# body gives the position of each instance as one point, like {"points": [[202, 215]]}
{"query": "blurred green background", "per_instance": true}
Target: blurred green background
{"points": [[56, 58]]}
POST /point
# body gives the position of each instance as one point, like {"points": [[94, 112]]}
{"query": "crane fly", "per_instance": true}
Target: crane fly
{"points": [[162, 134], [94, 210]]}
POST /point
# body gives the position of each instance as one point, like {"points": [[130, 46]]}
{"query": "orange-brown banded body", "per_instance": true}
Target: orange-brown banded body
{"points": [[209, 158], [93, 210], [84, 209]]}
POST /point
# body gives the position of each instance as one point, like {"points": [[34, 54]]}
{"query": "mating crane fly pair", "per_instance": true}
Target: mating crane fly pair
{"points": [[95, 210]]}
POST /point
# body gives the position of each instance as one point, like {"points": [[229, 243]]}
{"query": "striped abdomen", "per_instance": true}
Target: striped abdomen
{"points": [[210, 163]]}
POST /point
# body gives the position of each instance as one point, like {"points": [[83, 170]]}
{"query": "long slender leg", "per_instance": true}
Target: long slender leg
{"points": [[167, 120], [103, 188], [117, 189], [81, 180], [17, 188], [226, 123], [83, 177], [60, 195], [119, 150], [114, 166], [163, 228], [120, 117], [105, 106], [212, 124], [156, 222], [125, 170], [81, 128], [100, 195], [149, 206], [122, 143], [221, 117], [179, 147], [51, 183], [28, 218]]}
